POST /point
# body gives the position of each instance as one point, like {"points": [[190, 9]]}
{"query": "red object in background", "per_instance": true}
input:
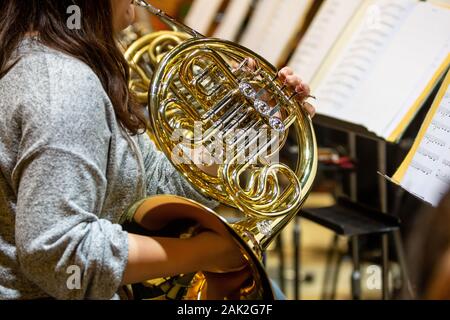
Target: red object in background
{"points": [[332, 157]]}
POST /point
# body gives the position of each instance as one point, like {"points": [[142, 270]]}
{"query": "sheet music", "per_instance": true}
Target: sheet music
{"points": [[202, 13], [428, 175], [325, 29], [234, 17], [282, 30], [386, 64], [441, 2], [254, 33]]}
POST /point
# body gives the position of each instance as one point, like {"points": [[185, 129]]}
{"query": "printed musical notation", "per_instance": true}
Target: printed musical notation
{"points": [[445, 113], [202, 14], [385, 64], [270, 33], [446, 163], [428, 154], [328, 24], [360, 55], [233, 19], [444, 177], [428, 163], [422, 169], [432, 140], [437, 126]]}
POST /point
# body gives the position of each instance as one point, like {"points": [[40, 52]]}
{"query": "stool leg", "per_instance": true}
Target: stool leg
{"points": [[385, 269], [356, 274], [402, 261], [281, 262], [297, 258], [336, 276], [326, 294]]}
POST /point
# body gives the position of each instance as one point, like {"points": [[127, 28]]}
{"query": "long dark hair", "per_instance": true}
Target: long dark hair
{"points": [[94, 44]]}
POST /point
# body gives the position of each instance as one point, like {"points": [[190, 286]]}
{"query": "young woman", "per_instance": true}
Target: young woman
{"points": [[73, 158]]}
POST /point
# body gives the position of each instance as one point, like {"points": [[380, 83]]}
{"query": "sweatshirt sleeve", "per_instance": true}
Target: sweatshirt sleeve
{"points": [[163, 178], [60, 178]]}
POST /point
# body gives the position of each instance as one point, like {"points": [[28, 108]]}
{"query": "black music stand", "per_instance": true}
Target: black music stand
{"points": [[350, 219]]}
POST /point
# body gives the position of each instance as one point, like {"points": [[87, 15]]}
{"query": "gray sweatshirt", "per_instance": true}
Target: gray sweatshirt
{"points": [[67, 174]]}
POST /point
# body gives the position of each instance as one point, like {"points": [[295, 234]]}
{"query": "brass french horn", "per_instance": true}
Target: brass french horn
{"points": [[196, 84]]}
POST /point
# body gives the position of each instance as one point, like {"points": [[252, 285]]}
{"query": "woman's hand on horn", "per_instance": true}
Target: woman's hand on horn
{"points": [[302, 89], [292, 80]]}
